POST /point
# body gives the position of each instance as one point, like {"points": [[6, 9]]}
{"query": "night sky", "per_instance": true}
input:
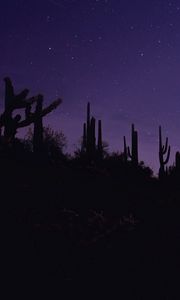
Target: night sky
{"points": [[121, 55]]}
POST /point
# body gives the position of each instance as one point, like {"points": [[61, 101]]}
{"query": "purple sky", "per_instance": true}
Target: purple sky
{"points": [[121, 55]]}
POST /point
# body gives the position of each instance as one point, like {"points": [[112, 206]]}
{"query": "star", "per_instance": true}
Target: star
{"points": [[48, 19]]}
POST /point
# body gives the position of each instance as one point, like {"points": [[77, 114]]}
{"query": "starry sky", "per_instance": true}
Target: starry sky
{"points": [[121, 55]]}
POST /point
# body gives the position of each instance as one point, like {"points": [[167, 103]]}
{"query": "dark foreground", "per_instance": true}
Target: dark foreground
{"points": [[70, 232]]}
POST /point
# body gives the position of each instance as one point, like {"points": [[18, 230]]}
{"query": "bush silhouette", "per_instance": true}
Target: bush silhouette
{"points": [[53, 145]]}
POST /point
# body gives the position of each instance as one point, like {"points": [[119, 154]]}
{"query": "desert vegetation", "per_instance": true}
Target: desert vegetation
{"points": [[87, 216]]}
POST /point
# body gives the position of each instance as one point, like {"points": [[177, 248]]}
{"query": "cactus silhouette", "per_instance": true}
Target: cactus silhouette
{"points": [[38, 127], [89, 145], [92, 139], [177, 160], [163, 150], [13, 102], [100, 145], [84, 141], [133, 154], [20, 101]]}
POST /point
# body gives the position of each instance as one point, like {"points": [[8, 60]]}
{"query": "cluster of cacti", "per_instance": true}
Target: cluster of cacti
{"points": [[92, 149], [133, 153], [163, 150], [20, 101]]}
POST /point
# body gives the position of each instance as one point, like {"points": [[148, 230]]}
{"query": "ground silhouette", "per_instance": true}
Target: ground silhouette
{"points": [[94, 219]]}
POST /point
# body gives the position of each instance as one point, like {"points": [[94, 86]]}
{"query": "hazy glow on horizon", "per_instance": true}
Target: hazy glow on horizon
{"points": [[121, 55]]}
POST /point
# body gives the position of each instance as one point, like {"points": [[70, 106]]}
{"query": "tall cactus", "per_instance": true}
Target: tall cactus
{"points": [[89, 145], [100, 146], [13, 101], [84, 140], [163, 150], [20, 101], [38, 127], [177, 160], [133, 154], [92, 141], [88, 116]]}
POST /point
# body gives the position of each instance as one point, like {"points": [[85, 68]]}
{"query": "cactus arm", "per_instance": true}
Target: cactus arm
{"points": [[13, 101], [9, 91], [21, 96], [165, 148], [45, 111], [168, 156], [129, 153], [51, 107]]}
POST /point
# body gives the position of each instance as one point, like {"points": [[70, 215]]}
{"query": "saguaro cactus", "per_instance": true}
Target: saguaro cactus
{"points": [[89, 145], [38, 126], [92, 140], [84, 141], [177, 160], [100, 146], [125, 151], [20, 101], [163, 150], [133, 154]]}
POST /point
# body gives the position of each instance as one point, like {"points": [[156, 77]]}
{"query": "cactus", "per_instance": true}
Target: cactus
{"points": [[88, 128], [12, 102], [92, 141], [100, 146], [177, 160], [133, 154], [84, 140], [163, 150], [89, 145], [38, 127]]}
